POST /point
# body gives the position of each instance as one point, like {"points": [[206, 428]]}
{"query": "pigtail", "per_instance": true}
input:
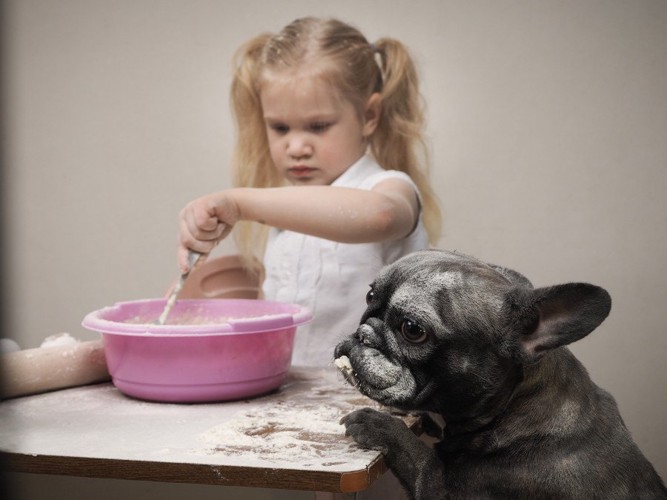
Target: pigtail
{"points": [[251, 162], [398, 142], [251, 153]]}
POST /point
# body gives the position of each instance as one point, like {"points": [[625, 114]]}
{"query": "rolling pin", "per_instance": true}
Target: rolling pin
{"points": [[42, 369]]}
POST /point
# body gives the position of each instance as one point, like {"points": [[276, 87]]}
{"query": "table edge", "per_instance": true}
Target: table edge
{"points": [[209, 474]]}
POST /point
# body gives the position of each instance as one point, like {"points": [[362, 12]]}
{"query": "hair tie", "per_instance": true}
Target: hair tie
{"points": [[377, 57]]}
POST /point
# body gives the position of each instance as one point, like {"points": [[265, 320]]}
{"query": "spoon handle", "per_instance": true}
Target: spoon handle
{"points": [[193, 259]]}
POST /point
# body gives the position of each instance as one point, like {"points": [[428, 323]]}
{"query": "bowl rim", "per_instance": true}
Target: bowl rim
{"points": [[300, 315]]}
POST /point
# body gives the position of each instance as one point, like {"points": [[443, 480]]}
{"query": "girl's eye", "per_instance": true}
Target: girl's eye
{"points": [[279, 128], [319, 127], [412, 331]]}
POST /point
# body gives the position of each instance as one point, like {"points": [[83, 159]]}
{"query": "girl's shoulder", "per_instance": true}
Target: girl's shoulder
{"points": [[375, 179]]}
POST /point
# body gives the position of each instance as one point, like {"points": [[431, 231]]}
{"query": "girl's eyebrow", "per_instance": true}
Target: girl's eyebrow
{"points": [[317, 117], [272, 119]]}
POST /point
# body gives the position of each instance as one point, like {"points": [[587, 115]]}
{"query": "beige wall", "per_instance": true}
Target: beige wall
{"points": [[548, 121]]}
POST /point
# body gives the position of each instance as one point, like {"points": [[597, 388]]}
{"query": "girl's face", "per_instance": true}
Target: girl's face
{"points": [[314, 134]]}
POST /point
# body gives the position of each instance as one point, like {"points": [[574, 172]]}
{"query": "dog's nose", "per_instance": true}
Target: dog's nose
{"points": [[364, 334]]}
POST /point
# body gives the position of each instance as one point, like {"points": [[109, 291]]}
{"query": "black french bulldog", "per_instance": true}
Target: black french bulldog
{"points": [[477, 344]]}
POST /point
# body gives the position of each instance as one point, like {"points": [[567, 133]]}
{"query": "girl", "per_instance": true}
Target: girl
{"points": [[329, 136]]}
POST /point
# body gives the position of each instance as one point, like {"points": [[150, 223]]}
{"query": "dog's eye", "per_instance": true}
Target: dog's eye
{"points": [[370, 296], [412, 332]]}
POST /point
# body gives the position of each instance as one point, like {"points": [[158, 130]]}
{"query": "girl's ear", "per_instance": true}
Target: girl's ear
{"points": [[372, 112]]}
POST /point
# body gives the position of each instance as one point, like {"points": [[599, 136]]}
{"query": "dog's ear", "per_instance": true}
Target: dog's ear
{"points": [[567, 313]]}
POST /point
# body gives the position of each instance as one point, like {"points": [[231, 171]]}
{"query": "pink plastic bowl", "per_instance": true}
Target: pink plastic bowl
{"points": [[211, 350]]}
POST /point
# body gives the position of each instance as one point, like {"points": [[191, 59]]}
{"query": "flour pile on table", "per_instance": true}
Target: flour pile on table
{"points": [[281, 432]]}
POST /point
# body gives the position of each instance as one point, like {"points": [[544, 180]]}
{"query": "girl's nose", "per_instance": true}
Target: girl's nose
{"points": [[298, 146]]}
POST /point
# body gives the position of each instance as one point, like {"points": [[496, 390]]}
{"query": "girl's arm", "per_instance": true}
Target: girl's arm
{"points": [[388, 211]]}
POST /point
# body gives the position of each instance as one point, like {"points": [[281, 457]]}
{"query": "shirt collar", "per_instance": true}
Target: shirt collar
{"points": [[357, 172]]}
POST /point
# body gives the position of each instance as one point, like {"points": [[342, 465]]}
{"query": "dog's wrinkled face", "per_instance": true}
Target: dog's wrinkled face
{"points": [[431, 336]]}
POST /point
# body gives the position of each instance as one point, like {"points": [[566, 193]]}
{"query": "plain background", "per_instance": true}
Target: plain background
{"points": [[548, 126]]}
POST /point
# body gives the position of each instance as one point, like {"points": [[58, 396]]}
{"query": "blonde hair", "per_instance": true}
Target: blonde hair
{"points": [[357, 69]]}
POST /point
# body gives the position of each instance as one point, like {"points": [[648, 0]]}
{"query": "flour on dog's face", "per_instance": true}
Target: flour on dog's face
{"points": [[413, 299], [375, 374], [417, 297], [419, 291]]}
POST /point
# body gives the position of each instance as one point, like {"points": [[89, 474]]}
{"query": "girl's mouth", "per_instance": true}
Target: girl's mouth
{"points": [[301, 171]]}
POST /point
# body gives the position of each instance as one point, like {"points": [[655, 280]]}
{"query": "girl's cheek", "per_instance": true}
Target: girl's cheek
{"points": [[274, 151]]}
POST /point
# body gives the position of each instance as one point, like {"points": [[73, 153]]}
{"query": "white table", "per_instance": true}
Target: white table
{"points": [[289, 439]]}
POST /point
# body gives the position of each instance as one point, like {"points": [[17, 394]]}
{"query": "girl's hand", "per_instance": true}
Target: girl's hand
{"points": [[204, 222]]}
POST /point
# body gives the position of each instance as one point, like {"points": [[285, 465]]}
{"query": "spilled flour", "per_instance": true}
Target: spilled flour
{"points": [[306, 432]]}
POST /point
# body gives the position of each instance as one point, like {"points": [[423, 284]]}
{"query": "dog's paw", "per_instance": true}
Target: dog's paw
{"points": [[373, 430]]}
